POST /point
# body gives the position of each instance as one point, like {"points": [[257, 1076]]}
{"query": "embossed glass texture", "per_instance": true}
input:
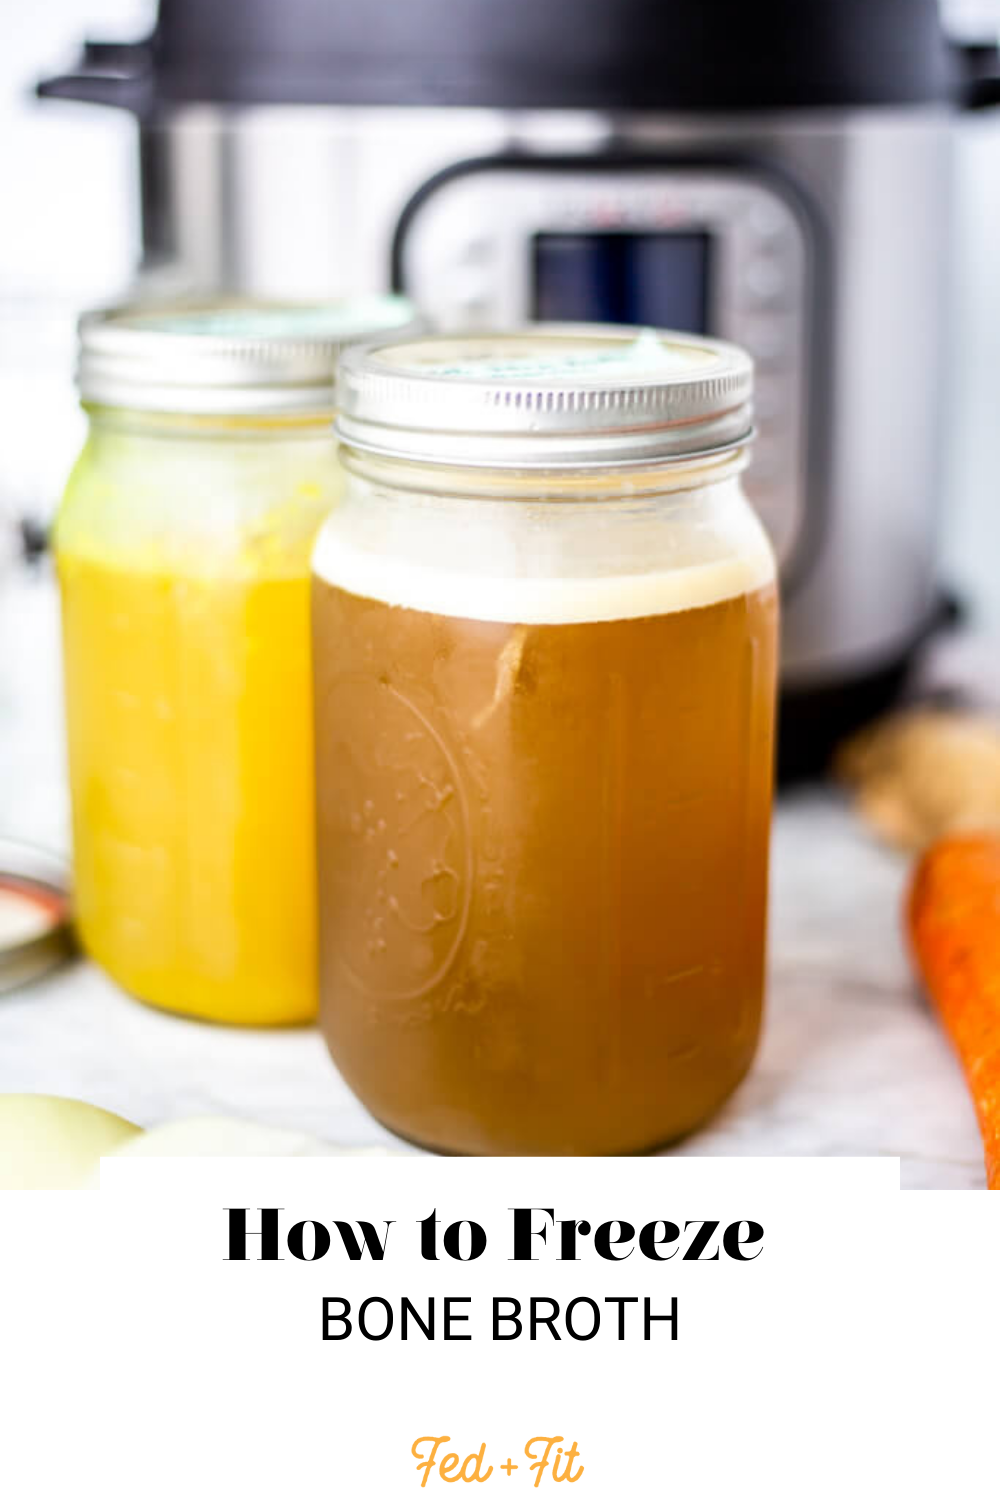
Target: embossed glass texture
{"points": [[544, 716]]}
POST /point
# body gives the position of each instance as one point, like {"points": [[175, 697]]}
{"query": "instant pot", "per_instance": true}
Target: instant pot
{"points": [[777, 174]]}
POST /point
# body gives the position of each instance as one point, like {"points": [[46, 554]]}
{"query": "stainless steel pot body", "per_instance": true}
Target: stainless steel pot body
{"points": [[832, 232]]}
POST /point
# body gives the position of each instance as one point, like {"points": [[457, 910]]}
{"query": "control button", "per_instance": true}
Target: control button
{"points": [[477, 252], [766, 220], [765, 280]]}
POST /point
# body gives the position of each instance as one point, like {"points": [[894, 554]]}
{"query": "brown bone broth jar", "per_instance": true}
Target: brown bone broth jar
{"points": [[544, 630]]}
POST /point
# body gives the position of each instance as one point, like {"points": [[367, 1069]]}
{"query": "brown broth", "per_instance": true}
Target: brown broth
{"points": [[543, 868]]}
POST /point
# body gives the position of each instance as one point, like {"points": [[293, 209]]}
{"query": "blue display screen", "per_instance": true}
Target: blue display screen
{"points": [[657, 280]]}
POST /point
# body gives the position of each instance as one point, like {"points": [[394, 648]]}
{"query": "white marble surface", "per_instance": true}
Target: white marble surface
{"points": [[852, 1062]]}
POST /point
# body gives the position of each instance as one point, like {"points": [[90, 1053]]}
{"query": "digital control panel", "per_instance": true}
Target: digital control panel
{"points": [[714, 251]]}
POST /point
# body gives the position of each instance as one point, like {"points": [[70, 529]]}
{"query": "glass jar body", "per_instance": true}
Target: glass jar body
{"points": [[182, 549], [544, 721]]}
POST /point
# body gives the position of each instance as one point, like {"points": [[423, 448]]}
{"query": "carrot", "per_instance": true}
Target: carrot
{"points": [[953, 918]]}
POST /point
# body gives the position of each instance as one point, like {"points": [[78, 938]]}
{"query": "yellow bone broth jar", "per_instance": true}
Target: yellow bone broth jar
{"points": [[183, 546]]}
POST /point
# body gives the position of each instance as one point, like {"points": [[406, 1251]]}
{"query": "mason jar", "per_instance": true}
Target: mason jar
{"points": [[544, 641], [182, 548]]}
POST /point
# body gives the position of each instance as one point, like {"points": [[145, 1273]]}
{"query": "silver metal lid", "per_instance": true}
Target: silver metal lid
{"points": [[547, 396], [227, 358], [35, 933]]}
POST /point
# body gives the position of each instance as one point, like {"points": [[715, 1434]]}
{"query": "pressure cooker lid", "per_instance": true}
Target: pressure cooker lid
{"points": [[626, 54]]}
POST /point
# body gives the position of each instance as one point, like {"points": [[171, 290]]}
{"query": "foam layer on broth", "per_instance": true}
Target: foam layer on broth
{"points": [[533, 600]]}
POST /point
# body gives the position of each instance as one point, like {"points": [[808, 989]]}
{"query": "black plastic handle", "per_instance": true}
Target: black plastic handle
{"points": [[123, 75], [118, 74], [980, 75]]}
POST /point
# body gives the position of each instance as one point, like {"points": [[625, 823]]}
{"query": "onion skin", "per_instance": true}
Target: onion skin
{"points": [[50, 1143]]}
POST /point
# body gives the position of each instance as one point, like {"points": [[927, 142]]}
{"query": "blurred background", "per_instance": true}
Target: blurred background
{"points": [[854, 250], [818, 180]]}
